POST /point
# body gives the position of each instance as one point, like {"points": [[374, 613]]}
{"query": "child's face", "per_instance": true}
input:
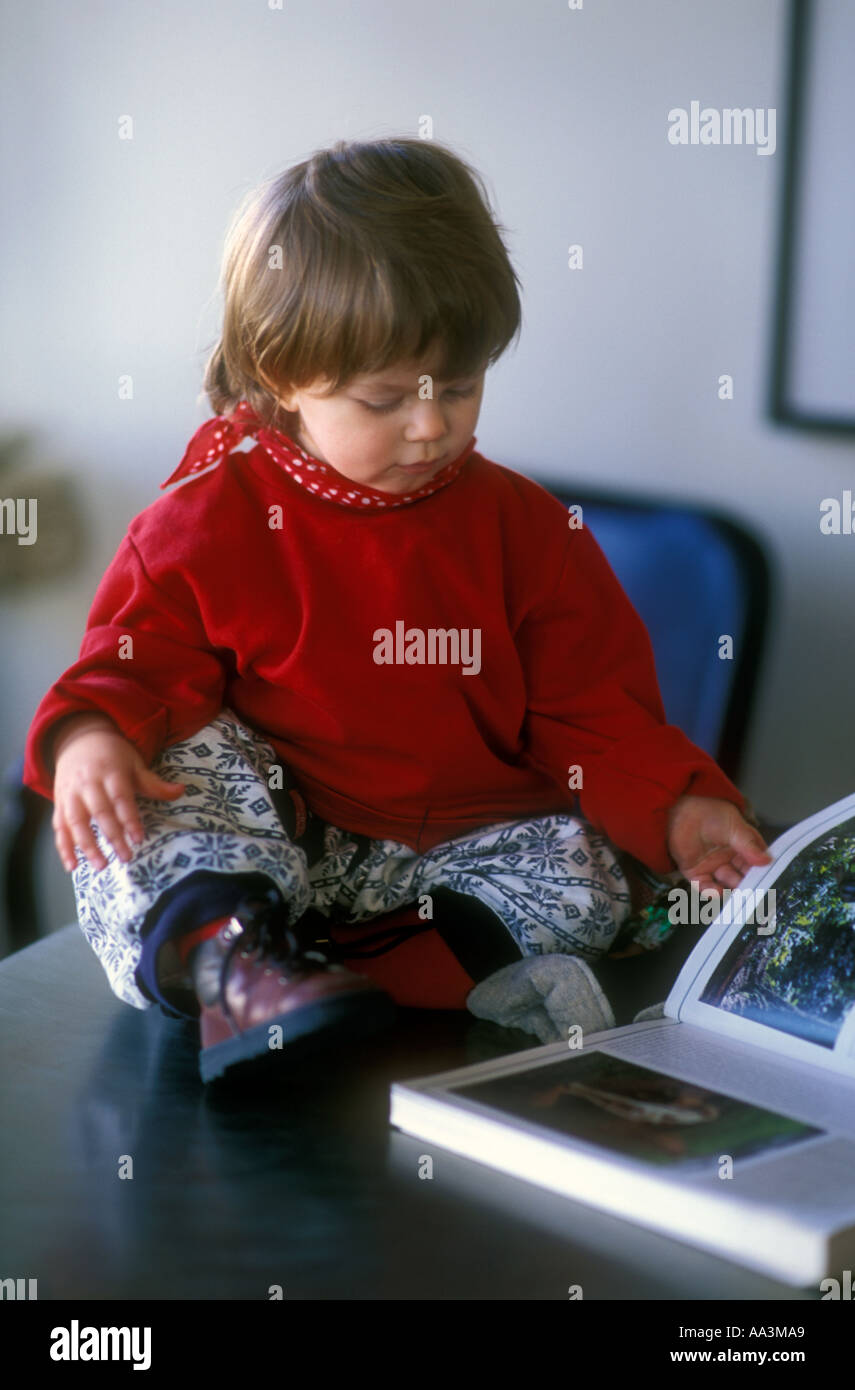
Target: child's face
{"points": [[377, 430]]}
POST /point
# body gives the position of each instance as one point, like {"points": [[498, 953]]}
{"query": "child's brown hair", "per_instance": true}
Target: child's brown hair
{"points": [[363, 255]]}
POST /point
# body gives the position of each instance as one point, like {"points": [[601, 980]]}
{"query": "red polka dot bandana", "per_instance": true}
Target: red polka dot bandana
{"points": [[223, 433]]}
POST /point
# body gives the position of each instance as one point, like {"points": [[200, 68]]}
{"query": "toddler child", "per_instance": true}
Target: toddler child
{"points": [[350, 665]]}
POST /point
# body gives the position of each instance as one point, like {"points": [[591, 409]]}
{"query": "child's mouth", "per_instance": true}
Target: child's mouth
{"points": [[417, 467]]}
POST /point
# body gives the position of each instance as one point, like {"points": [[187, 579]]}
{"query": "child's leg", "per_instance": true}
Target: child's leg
{"points": [[555, 884], [556, 895], [199, 856]]}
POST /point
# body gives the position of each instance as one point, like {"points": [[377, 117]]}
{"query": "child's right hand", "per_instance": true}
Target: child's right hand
{"points": [[98, 777]]}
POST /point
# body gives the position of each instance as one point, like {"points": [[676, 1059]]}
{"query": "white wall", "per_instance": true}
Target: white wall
{"points": [[112, 251]]}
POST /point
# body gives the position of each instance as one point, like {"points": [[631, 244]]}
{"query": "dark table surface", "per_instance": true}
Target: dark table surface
{"points": [[302, 1184]]}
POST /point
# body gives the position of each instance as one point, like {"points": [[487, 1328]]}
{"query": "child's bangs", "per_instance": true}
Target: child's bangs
{"points": [[376, 325]]}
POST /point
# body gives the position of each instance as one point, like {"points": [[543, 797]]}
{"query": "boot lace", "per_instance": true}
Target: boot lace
{"points": [[259, 923]]}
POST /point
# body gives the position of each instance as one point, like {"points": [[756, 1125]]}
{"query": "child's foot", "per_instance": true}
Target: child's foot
{"points": [[544, 995], [263, 996]]}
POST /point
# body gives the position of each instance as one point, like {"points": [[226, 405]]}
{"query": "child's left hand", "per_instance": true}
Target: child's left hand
{"points": [[711, 842]]}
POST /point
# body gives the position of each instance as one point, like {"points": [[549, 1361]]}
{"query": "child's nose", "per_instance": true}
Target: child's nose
{"points": [[427, 422]]}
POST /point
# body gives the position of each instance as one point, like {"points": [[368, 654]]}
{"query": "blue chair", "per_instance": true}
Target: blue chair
{"points": [[692, 575]]}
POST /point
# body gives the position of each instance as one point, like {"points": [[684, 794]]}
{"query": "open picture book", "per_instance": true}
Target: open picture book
{"points": [[730, 1122]]}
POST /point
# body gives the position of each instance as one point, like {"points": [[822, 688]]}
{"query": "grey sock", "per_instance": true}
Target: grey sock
{"points": [[545, 995]]}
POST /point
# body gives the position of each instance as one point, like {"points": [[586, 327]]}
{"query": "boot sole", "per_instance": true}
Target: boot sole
{"points": [[308, 1032]]}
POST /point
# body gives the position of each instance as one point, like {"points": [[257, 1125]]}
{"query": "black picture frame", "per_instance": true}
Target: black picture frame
{"points": [[788, 401]]}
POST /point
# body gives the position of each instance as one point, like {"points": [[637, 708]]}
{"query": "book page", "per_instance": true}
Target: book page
{"points": [[821, 1187], [741, 1070], [608, 1099], [708, 1116], [777, 967]]}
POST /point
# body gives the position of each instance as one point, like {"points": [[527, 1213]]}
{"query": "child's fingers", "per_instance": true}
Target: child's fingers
{"points": [[64, 845], [748, 845], [112, 827], [101, 811], [706, 866], [122, 794], [703, 882], [755, 853], [111, 807], [151, 785], [728, 877], [77, 818], [743, 865]]}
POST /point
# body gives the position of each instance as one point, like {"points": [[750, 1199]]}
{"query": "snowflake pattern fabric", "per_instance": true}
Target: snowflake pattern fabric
{"points": [[555, 883]]}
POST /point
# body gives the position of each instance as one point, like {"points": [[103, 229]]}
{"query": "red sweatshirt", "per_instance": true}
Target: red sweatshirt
{"points": [[244, 588]]}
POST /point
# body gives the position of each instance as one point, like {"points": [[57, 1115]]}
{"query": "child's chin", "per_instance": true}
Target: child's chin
{"points": [[395, 487]]}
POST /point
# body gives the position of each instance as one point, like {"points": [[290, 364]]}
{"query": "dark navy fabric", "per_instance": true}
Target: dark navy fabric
{"points": [[474, 935], [201, 897]]}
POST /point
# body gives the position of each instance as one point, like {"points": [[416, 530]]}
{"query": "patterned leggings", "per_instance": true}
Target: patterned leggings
{"points": [[553, 882]]}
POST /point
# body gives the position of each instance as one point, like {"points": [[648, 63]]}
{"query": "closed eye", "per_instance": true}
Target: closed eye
{"points": [[395, 405]]}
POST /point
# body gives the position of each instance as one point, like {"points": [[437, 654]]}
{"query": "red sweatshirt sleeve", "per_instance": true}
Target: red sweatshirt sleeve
{"points": [[594, 700], [170, 682]]}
